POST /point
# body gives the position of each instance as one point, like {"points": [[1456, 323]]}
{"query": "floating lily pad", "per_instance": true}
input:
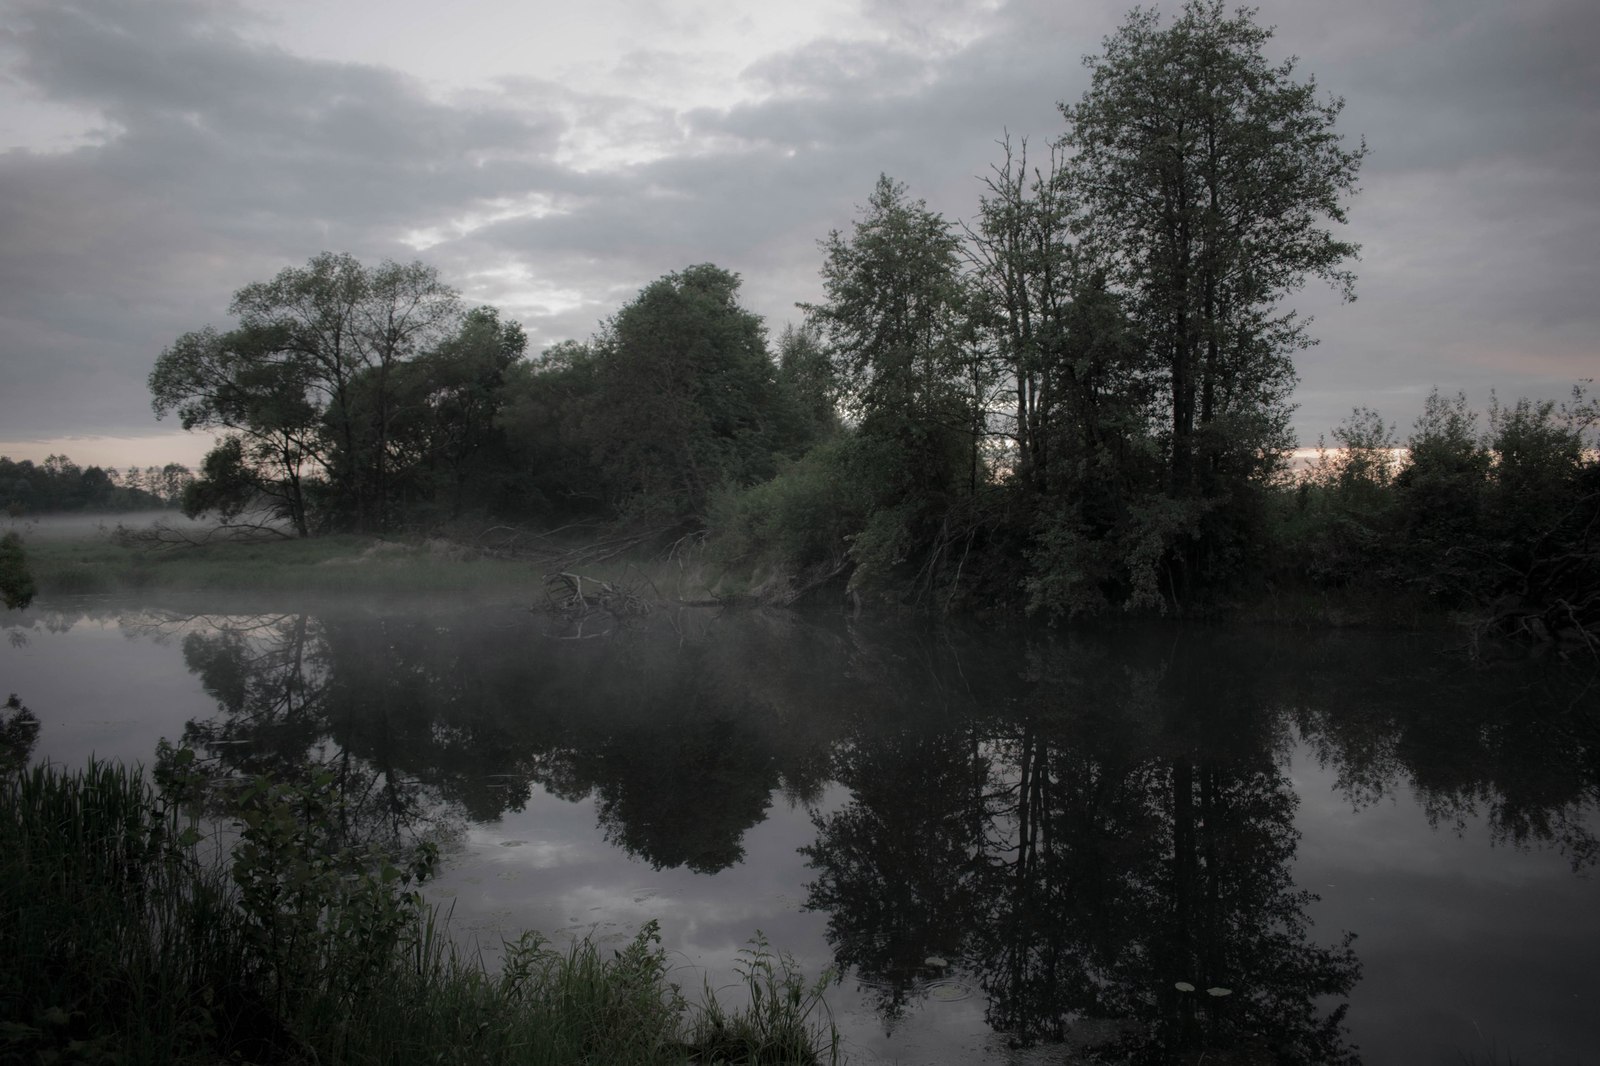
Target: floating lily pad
{"points": [[934, 960], [1183, 986], [1219, 991]]}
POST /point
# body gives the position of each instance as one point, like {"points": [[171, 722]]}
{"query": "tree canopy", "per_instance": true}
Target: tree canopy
{"points": [[1076, 401]]}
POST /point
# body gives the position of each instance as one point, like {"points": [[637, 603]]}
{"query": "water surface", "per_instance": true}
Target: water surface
{"points": [[1010, 845]]}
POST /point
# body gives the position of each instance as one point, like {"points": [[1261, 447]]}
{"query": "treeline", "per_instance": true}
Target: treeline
{"points": [[1077, 401], [1503, 518], [58, 484]]}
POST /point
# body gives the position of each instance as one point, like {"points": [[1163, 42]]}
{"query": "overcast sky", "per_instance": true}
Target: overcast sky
{"points": [[551, 159]]}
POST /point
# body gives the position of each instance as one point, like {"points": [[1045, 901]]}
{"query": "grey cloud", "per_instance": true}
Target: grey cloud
{"points": [[831, 68], [231, 160]]}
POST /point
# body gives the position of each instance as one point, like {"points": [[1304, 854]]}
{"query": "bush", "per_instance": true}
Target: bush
{"points": [[122, 946]]}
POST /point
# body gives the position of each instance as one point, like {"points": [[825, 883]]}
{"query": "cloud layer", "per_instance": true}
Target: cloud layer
{"points": [[160, 155]]}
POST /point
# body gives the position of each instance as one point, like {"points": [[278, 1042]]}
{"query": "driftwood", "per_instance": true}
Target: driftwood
{"points": [[574, 597], [162, 537]]}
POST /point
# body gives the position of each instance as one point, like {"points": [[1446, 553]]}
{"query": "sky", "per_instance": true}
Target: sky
{"points": [[552, 159]]}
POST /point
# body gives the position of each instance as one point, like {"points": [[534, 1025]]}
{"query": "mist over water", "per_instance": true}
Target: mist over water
{"points": [[1001, 840], [99, 524]]}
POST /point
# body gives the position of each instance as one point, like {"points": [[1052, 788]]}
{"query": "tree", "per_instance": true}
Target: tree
{"points": [[443, 441], [249, 385], [1209, 179], [1025, 265], [286, 381], [1441, 494], [548, 421], [16, 580], [688, 397], [894, 320], [909, 378], [805, 370]]}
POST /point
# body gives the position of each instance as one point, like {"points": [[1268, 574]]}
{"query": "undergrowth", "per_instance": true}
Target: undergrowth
{"points": [[124, 944]]}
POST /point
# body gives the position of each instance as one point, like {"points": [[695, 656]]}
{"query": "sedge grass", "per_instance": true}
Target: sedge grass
{"points": [[123, 945]]}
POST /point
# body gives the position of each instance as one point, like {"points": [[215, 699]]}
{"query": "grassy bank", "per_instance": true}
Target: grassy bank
{"points": [[331, 564], [348, 564], [124, 944], [104, 561]]}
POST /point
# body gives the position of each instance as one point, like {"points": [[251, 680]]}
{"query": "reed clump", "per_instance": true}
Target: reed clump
{"points": [[124, 943]]}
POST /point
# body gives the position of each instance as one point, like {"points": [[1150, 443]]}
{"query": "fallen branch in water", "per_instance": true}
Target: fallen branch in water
{"points": [[162, 537]]}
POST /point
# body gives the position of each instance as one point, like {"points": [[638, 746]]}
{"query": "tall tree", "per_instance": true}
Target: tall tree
{"points": [[896, 321], [261, 394], [286, 380], [443, 442], [1025, 265], [1210, 179], [894, 318], [689, 396]]}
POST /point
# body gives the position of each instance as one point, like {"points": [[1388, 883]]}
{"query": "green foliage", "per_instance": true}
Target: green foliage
{"points": [[228, 484], [305, 384], [1500, 523], [122, 946], [16, 580], [1125, 561], [688, 398], [115, 938], [1208, 178], [800, 522], [893, 316], [806, 373], [447, 450], [547, 421], [60, 485], [1344, 511], [19, 731], [777, 1025], [316, 912], [675, 401], [1534, 494], [895, 324], [1441, 497]]}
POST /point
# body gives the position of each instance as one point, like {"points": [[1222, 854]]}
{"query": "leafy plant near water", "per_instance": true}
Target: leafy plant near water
{"points": [[123, 945], [778, 1024]]}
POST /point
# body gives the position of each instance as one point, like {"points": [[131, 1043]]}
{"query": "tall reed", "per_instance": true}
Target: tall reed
{"points": [[121, 944]]}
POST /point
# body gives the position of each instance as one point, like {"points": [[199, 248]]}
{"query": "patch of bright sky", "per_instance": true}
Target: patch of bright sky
{"points": [[501, 209], [523, 293], [626, 69], [156, 449], [680, 54]]}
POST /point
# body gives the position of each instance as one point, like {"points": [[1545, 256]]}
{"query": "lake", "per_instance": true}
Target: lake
{"points": [[1134, 844]]}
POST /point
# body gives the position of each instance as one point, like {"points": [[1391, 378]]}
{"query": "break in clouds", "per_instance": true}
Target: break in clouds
{"points": [[161, 155]]}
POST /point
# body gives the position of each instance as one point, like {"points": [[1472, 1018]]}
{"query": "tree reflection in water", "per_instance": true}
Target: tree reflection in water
{"points": [[426, 726], [1124, 829], [1070, 826]]}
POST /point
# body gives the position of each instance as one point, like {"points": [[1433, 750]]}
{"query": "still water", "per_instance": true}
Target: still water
{"points": [[1011, 846]]}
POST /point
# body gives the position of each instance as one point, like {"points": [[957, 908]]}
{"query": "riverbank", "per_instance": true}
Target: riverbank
{"points": [[126, 943], [103, 560]]}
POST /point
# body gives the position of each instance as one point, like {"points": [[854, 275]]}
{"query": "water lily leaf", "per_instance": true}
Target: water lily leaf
{"points": [[1183, 986], [1219, 991], [934, 960]]}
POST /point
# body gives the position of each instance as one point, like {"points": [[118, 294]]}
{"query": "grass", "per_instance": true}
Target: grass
{"points": [[99, 561], [331, 564], [123, 945]]}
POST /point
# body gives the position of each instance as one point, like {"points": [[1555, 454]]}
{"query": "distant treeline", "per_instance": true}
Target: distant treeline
{"points": [[60, 485], [1078, 401]]}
